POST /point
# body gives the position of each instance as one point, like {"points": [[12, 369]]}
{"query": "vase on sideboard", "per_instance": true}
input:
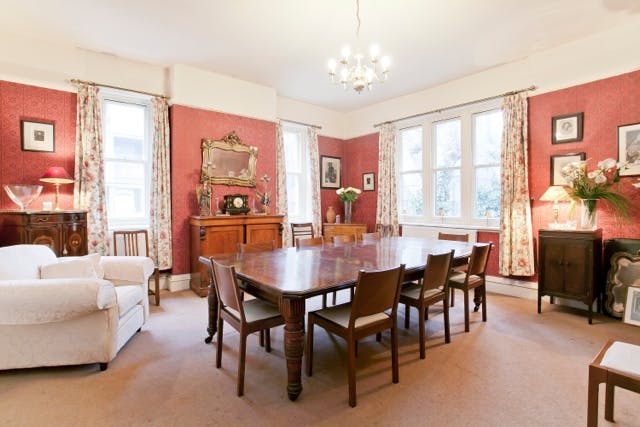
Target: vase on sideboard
{"points": [[331, 215], [588, 214], [347, 212]]}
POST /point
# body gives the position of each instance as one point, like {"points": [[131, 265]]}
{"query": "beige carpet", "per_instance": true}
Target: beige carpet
{"points": [[518, 369]]}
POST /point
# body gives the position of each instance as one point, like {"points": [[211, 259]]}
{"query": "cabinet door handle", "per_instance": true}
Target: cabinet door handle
{"points": [[203, 233]]}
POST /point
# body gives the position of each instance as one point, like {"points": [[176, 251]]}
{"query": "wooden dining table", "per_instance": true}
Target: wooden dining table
{"points": [[287, 277]]}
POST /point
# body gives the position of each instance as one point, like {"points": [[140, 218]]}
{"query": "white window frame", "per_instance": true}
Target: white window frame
{"points": [[305, 174], [467, 169], [115, 95]]}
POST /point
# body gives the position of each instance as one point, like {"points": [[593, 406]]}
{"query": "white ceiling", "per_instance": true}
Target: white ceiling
{"points": [[286, 44]]}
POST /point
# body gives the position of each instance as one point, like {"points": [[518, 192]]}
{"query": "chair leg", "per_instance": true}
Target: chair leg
{"points": [[242, 357], [379, 336], [157, 287], [407, 314], [608, 402], [426, 313], [421, 320], [267, 338], [220, 334], [466, 309], [395, 372], [351, 371], [445, 310], [334, 297], [453, 297], [262, 338], [324, 300], [309, 353], [484, 302], [592, 399]]}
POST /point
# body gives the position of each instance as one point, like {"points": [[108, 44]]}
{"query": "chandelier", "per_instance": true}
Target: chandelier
{"points": [[359, 71]]}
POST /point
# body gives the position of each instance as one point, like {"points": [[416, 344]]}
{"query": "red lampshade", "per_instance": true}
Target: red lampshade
{"points": [[56, 175]]}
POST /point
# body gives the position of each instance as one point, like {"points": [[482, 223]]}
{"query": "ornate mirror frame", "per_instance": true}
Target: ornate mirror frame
{"points": [[228, 161]]}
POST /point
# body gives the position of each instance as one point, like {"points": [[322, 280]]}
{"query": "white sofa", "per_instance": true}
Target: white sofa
{"points": [[71, 310]]}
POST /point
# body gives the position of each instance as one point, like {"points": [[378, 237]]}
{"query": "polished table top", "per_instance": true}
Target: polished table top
{"points": [[305, 272]]}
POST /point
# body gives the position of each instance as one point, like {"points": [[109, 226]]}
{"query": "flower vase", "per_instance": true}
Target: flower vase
{"points": [[347, 212], [589, 214], [331, 215]]}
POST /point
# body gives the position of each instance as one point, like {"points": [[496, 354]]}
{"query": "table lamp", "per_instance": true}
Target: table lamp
{"points": [[57, 176], [555, 194]]}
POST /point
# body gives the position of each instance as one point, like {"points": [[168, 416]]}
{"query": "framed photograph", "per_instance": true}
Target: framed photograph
{"points": [[330, 172], [632, 308], [37, 136], [629, 149], [558, 161], [567, 128], [368, 181]]}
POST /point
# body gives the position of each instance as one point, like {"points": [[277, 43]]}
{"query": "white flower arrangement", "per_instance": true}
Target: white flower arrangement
{"points": [[349, 194]]}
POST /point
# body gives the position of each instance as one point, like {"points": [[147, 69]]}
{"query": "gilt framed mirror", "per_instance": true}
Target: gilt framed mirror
{"points": [[228, 161]]}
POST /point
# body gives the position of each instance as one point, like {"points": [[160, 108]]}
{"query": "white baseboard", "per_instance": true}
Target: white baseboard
{"points": [[178, 282]]}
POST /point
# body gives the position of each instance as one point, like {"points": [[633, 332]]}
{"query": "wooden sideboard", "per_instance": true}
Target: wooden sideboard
{"points": [[212, 235], [65, 232], [330, 230]]}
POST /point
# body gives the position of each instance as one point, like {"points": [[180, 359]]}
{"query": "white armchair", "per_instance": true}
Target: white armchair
{"points": [[68, 311]]}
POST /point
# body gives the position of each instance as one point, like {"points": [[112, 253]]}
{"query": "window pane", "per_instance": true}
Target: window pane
{"points": [[124, 172], [293, 195], [411, 148], [125, 201], [488, 137], [411, 203], [447, 144], [292, 151], [487, 192], [447, 193], [124, 130]]}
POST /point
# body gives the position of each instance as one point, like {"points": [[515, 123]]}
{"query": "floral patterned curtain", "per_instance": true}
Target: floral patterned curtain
{"points": [[160, 213], [516, 236], [89, 188], [387, 205], [314, 169], [281, 187]]}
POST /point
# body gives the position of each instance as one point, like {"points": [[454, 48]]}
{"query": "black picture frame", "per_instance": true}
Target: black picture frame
{"points": [[330, 172], [567, 128], [629, 149], [369, 181], [557, 163], [37, 136]]}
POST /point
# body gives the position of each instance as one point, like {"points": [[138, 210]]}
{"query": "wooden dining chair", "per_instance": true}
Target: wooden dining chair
{"points": [[132, 243], [434, 288], [473, 278], [373, 310], [302, 230], [256, 247], [371, 237], [246, 317], [308, 242], [458, 268]]}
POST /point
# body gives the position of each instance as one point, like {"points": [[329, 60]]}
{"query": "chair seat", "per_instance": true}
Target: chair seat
{"points": [[412, 291], [457, 279], [255, 310], [623, 357], [339, 314]]}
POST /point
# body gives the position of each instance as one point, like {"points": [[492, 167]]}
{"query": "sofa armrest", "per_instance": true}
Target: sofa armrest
{"points": [[127, 269], [29, 301]]}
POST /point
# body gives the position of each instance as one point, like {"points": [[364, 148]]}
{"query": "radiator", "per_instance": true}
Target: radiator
{"points": [[431, 232]]}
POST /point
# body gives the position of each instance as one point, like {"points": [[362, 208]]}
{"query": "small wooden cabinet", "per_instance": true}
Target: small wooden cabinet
{"points": [[65, 232], [570, 265], [212, 235], [330, 230]]}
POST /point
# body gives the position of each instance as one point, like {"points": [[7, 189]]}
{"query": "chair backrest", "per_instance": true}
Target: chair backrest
{"points": [[256, 247], [456, 237], [479, 259], [341, 239], [226, 284], [437, 271], [311, 241], [376, 292], [301, 230], [131, 243], [371, 237]]}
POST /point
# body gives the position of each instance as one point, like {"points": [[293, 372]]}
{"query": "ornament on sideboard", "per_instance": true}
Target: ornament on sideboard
{"points": [[331, 215], [265, 195], [203, 194]]}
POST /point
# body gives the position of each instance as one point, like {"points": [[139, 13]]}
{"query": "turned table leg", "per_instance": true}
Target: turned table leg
{"points": [[212, 300], [293, 311]]}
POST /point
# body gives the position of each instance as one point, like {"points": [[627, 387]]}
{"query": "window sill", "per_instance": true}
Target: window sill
{"points": [[495, 229]]}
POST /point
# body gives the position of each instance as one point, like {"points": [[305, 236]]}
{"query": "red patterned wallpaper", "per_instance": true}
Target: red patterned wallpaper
{"points": [[333, 147], [362, 155], [188, 127], [18, 102]]}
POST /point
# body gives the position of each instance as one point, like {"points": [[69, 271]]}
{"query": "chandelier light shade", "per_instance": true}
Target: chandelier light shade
{"points": [[57, 176], [359, 71]]}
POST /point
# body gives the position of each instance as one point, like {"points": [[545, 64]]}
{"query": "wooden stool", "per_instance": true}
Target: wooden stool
{"points": [[617, 364]]}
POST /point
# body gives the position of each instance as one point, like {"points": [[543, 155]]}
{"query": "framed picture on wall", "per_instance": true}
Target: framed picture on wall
{"points": [[330, 172], [557, 163], [629, 149], [37, 136], [368, 181], [567, 128]]}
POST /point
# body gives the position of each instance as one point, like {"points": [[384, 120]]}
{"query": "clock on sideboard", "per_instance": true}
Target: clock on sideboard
{"points": [[235, 204]]}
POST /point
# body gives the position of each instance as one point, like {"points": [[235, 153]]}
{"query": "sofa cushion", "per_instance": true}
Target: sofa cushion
{"points": [[22, 261], [127, 297], [68, 269]]}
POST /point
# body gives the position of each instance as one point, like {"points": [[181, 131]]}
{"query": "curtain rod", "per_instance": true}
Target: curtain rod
{"points": [[119, 88], [464, 104], [299, 123]]}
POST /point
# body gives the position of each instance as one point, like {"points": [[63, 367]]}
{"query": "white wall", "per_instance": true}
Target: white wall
{"points": [[331, 121], [601, 55]]}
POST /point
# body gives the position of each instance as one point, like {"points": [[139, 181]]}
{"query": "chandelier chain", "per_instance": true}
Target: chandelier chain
{"points": [[358, 18]]}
